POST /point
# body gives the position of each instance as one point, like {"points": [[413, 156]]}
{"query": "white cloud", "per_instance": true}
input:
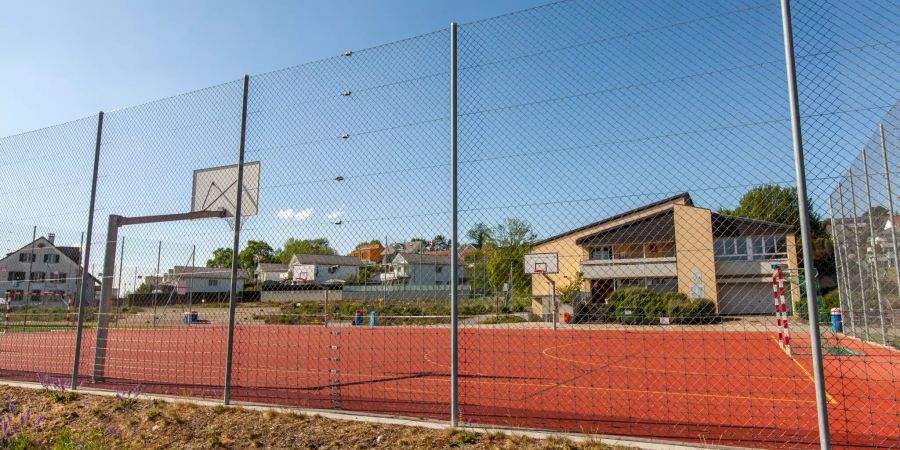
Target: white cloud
{"points": [[336, 215], [290, 214]]}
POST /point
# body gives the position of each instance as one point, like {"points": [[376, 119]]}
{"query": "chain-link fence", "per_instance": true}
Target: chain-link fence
{"points": [[580, 217]]}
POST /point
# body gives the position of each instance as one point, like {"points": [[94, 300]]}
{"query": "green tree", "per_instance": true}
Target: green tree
{"points": [[439, 243], [479, 234], [144, 288], [774, 203], [293, 247], [475, 268], [221, 258], [509, 243], [254, 249], [372, 242]]}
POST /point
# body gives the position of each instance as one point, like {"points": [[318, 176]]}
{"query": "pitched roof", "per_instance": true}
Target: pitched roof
{"points": [[418, 258], [725, 226], [73, 253], [204, 272], [656, 228], [326, 260], [272, 267], [684, 196]]}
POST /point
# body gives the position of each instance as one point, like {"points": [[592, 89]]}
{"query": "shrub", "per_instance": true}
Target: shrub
{"points": [[632, 305], [647, 306]]}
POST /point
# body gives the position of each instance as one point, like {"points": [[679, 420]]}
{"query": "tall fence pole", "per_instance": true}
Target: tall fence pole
{"points": [[845, 245], [85, 276], [840, 267], [232, 293], [156, 280], [454, 238], [860, 257], [805, 229], [31, 258], [890, 196], [876, 274], [119, 285]]}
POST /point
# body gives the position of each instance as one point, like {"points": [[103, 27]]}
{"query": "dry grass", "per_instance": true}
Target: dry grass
{"points": [[98, 422]]}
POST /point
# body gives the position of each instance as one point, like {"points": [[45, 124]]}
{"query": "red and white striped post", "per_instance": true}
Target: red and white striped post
{"points": [[781, 315]]}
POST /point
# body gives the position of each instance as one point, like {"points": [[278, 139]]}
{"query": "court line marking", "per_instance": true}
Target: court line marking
{"points": [[806, 372], [677, 372]]}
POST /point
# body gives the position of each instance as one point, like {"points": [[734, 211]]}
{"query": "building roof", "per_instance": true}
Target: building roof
{"points": [[272, 267], [73, 253], [204, 272], [684, 196], [656, 228], [727, 226], [325, 260], [660, 227], [418, 258]]}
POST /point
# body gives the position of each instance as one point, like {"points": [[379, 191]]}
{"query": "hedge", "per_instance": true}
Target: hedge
{"points": [[638, 306]]}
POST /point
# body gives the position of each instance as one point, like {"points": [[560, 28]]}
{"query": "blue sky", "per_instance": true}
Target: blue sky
{"points": [[569, 112]]}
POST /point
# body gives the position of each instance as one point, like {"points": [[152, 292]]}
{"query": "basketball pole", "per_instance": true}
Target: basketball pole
{"points": [[232, 294]]}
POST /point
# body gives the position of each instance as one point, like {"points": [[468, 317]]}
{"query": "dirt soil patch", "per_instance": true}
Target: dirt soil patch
{"points": [[58, 419]]}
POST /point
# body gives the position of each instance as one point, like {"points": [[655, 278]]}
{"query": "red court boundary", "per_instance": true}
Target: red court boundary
{"points": [[723, 387]]}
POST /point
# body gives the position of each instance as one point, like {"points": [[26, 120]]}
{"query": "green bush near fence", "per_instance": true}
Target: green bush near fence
{"points": [[633, 306]]}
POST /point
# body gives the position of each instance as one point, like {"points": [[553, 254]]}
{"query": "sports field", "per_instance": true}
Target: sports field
{"points": [[726, 387]]}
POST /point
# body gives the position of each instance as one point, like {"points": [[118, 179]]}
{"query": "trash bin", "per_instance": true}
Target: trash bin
{"points": [[567, 318], [195, 317], [372, 321], [837, 323], [358, 318]]}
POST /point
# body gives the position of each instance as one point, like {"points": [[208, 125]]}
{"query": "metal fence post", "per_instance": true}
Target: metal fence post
{"points": [[805, 229], [85, 276], [845, 245], [27, 295], [890, 197], [232, 293], [841, 266], [871, 239], [454, 238], [860, 258]]}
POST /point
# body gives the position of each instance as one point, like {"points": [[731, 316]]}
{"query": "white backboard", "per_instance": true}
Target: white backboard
{"points": [[541, 262], [216, 188]]}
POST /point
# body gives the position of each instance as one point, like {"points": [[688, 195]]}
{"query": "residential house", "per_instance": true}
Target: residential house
{"points": [[369, 253], [419, 269], [673, 245], [402, 247], [320, 269], [269, 273], [202, 279], [44, 269]]}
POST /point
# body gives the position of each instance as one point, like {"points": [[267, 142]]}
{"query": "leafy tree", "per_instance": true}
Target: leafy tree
{"points": [[475, 268], [248, 256], [570, 290], [439, 243], [479, 234], [774, 203], [509, 243], [221, 258], [293, 247], [144, 288]]}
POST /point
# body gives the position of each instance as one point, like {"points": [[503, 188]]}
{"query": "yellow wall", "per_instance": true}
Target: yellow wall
{"points": [[793, 270], [571, 255], [694, 250]]}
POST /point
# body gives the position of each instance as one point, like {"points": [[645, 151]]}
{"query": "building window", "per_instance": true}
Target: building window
{"points": [[61, 278], [16, 276], [438, 269], [24, 257], [659, 250], [601, 254], [212, 283], [731, 249], [51, 258], [769, 247], [38, 276], [629, 251]]}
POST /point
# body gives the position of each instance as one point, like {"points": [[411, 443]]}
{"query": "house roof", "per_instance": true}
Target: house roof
{"points": [[726, 226], [656, 228], [684, 196], [418, 258], [325, 260], [73, 253], [204, 272], [272, 267], [661, 227]]}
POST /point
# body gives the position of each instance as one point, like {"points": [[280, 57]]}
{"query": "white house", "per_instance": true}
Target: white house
{"points": [[271, 273], [319, 269], [44, 269], [419, 269], [202, 279]]}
